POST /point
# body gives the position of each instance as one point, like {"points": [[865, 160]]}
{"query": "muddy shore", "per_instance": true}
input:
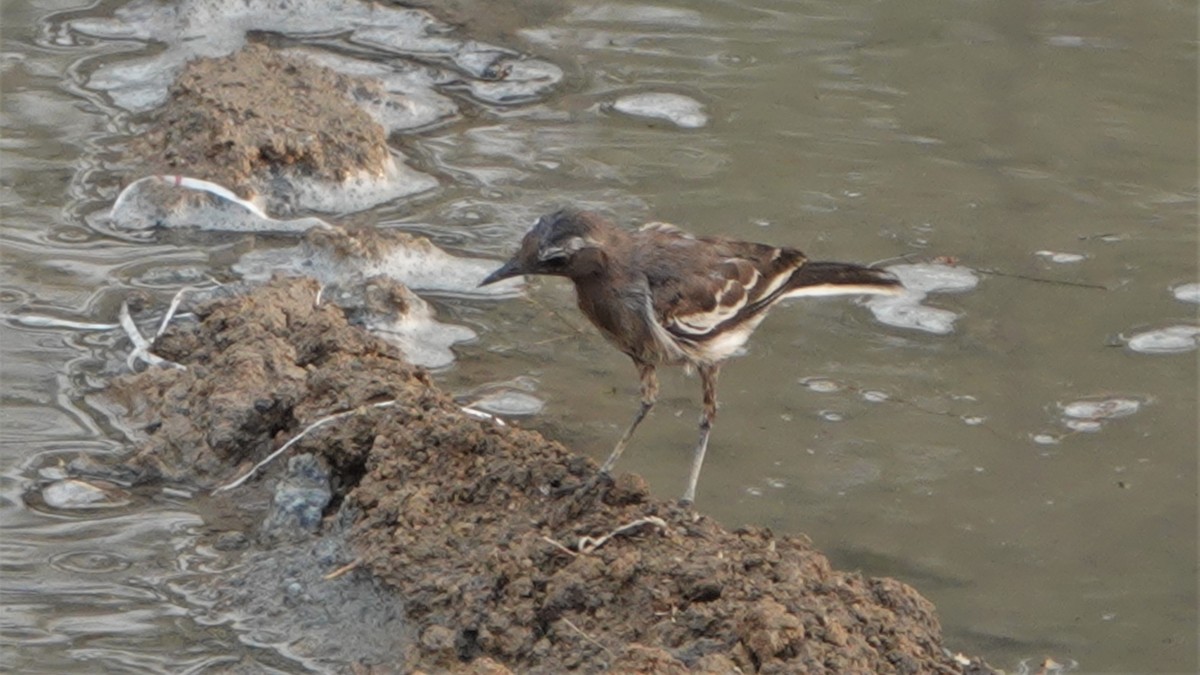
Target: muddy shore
{"points": [[499, 562], [456, 543]]}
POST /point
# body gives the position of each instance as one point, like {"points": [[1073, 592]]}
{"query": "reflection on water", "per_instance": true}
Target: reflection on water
{"points": [[1030, 466]]}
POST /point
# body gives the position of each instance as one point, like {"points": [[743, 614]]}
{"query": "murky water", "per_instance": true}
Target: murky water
{"points": [[1029, 471]]}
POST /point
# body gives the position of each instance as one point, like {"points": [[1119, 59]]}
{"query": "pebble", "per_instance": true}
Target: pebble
{"points": [[300, 498]]}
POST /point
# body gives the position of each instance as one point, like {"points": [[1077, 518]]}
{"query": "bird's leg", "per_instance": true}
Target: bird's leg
{"points": [[649, 395], [708, 379]]}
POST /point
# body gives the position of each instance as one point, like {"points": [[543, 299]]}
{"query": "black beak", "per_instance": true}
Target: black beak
{"points": [[509, 269]]}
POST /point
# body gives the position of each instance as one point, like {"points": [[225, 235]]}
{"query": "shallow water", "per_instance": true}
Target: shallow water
{"points": [[1028, 471]]}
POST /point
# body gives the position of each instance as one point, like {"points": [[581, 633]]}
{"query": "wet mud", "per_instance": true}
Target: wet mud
{"points": [[483, 531], [215, 126]]}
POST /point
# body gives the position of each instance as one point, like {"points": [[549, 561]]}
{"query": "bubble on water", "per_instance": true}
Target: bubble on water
{"points": [[821, 385], [1170, 340], [680, 110], [906, 311], [509, 403], [776, 483], [1090, 415], [1086, 426], [1187, 292], [1046, 439], [831, 416], [1059, 257], [754, 491], [973, 420], [873, 396], [1105, 409], [89, 562]]}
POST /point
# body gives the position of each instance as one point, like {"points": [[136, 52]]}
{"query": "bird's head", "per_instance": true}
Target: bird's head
{"points": [[566, 243]]}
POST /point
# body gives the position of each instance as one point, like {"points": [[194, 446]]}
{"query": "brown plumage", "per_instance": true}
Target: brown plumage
{"points": [[665, 297]]}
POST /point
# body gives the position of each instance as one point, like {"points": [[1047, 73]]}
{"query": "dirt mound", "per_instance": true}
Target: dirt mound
{"points": [[501, 562], [215, 125]]}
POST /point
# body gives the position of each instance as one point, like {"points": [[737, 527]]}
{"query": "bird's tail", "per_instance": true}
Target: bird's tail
{"points": [[834, 278]]}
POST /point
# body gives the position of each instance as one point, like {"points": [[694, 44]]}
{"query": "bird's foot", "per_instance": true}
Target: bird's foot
{"points": [[580, 489], [576, 500]]}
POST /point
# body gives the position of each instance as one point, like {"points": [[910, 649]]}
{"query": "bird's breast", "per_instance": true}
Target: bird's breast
{"points": [[623, 315]]}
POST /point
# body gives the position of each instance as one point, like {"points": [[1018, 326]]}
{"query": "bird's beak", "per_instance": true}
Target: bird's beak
{"points": [[511, 268]]}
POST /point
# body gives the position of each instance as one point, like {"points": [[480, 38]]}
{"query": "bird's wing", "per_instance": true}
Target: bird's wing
{"points": [[701, 286]]}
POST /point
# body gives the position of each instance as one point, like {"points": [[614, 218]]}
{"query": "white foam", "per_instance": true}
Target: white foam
{"points": [[680, 110], [424, 340], [413, 261], [931, 278], [1062, 258], [358, 192], [905, 310], [182, 202], [1103, 409], [408, 101], [214, 28], [1187, 292], [1170, 340], [509, 403]]}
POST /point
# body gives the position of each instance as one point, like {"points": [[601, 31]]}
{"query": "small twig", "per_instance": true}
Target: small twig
{"points": [[37, 321], [141, 346], [319, 423], [906, 257], [1041, 280], [174, 307], [590, 544], [479, 414], [587, 637], [354, 564], [552, 340], [559, 546]]}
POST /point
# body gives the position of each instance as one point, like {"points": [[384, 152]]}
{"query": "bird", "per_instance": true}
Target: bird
{"points": [[666, 297]]}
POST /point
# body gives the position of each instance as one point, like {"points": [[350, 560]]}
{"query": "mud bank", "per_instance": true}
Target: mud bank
{"points": [[477, 527], [215, 125]]}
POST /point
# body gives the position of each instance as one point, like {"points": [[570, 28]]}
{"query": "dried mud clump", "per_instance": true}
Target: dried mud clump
{"points": [[214, 125], [503, 564]]}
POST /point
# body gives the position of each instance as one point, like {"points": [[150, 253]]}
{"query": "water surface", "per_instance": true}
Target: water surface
{"points": [[994, 136]]}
